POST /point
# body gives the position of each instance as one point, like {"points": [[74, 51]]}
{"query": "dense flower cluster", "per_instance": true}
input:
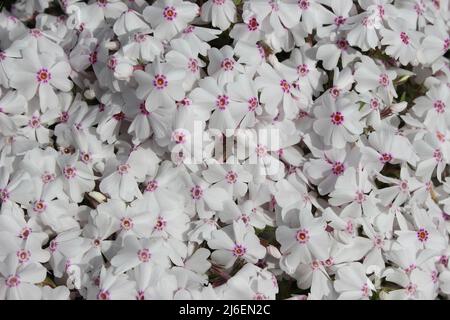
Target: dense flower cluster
{"points": [[132, 164]]}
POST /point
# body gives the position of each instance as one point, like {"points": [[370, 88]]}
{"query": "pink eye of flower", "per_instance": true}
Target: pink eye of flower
{"points": [[262, 52], [2, 55], [439, 106], [47, 177], [253, 104], [126, 223], [303, 70], [179, 137], [227, 64], [53, 246], [36, 33], [96, 243], [144, 255], [222, 102], [119, 116], [189, 29], [374, 104], [111, 63], [24, 233], [219, 2], [85, 157], [418, 7], [440, 136], [338, 168], [43, 75], [140, 37], [360, 197], [252, 24], [303, 4], [239, 250], [339, 21], [422, 235], [160, 81], [34, 122], [378, 242], [261, 150], [69, 172], [151, 186], [385, 158], [337, 118], [381, 11], [365, 290], [302, 236], [335, 92], [39, 206], [245, 219], [102, 3], [403, 185], [411, 289], [446, 45], [315, 264], [285, 86], [445, 216], [64, 117], [123, 168], [260, 296], [12, 281], [193, 65], [140, 295], [384, 80], [103, 295], [160, 224], [437, 154], [231, 177], [170, 13], [404, 37], [23, 255], [93, 57], [4, 195], [185, 102], [196, 192]]}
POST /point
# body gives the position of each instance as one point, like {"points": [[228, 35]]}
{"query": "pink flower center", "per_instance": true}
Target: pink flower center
{"points": [[111, 63], [196, 192], [85, 157], [261, 150], [374, 103], [23, 255], [123, 169], [335, 92], [439, 106], [337, 118], [4, 195], [160, 81], [69, 172], [422, 235], [231, 177], [303, 4], [260, 296], [169, 13], [360, 197], [252, 24], [365, 290], [285, 86], [96, 243], [303, 70], [385, 157], [39, 206], [418, 7], [222, 102], [160, 224], [47, 177], [144, 255], [13, 281], [2, 56], [103, 295], [339, 21], [151, 186], [179, 137], [119, 116], [24, 233], [36, 33], [253, 104], [245, 219], [446, 45], [126, 223], [338, 168], [342, 44], [53, 246], [193, 65], [239, 250], [403, 185], [189, 29], [64, 117], [302, 236], [404, 37], [411, 289], [185, 102], [378, 242], [219, 2], [384, 80], [93, 57], [227, 64], [437, 154], [43, 75], [34, 122]]}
